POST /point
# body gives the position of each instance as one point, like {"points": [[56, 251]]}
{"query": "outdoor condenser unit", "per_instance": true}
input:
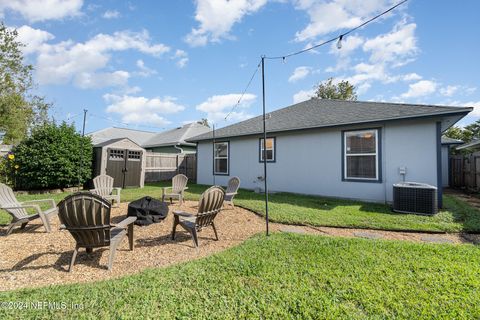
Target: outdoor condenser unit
{"points": [[413, 197]]}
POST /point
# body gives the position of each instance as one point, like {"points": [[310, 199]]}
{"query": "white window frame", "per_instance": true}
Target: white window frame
{"points": [[215, 172], [273, 149], [345, 171]]}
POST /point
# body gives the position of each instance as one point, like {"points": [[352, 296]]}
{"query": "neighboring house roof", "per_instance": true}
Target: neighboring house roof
{"points": [[177, 136], [472, 144], [137, 136], [318, 113], [447, 141]]}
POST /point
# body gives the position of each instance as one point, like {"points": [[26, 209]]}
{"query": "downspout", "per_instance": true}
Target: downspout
{"points": [[178, 148], [384, 162]]}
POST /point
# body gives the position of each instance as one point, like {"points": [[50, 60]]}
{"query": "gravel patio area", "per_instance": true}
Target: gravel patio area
{"points": [[33, 258]]}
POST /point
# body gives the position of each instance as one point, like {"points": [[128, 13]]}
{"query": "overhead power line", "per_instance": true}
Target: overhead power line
{"points": [[339, 37]]}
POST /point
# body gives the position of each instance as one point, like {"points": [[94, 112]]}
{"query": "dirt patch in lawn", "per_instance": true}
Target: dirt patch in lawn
{"points": [[33, 258]]}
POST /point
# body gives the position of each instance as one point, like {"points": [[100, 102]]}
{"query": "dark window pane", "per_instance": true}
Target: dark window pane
{"points": [[221, 165], [361, 167], [221, 149], [269, 154], [362, 142]]}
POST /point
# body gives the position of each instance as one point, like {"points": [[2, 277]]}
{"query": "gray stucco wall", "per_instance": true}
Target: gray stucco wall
{"points": [[310, 162], [445, 175]]}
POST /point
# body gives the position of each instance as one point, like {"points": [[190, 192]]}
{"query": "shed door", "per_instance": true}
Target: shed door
{"points": [[133, 168], [116, 166]]}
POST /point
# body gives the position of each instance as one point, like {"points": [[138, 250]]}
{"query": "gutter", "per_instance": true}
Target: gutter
{"points": [[178, 148]]}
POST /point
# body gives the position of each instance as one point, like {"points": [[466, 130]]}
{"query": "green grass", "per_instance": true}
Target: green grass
{"points": [[317, 211], [285, 276]]}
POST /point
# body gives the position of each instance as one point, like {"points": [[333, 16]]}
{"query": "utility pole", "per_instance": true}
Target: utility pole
{"points": [[265, 146], [80, 167]]}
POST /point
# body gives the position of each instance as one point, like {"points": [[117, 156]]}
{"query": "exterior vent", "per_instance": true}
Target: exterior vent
{"points": [[417, 198]]}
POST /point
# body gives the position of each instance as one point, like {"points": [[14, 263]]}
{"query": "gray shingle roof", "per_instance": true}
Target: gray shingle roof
{"points": [[472, 144], [137, 136], [317, 113], [176, 136], [447, 140]]}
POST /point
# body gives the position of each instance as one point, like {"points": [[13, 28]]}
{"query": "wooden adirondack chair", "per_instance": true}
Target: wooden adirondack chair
{"points": [[232, 190], [103, 185], [87, 217], [17, 210], [209, 206], [179, 185]]}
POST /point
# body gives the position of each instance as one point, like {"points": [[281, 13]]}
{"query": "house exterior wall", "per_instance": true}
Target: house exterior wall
{"points": [[445, 165], [310, 161]]}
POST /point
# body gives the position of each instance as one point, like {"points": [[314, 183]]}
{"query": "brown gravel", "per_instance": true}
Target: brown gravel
{"points": [[33, 258]]}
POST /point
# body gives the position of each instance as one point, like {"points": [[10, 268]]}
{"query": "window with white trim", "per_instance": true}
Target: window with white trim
{"points": [[270, 149], [220, 158], [361, 155]]}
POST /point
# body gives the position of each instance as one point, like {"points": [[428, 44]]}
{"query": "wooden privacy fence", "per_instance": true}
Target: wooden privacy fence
{"points": [[465, 171], [163, 166]]}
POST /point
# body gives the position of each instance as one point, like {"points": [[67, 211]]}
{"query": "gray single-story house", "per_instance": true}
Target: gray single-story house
{"points": [[447, 144], [346, 149]]}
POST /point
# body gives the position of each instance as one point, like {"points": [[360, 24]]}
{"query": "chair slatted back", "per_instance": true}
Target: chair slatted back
{"points": [[209, 206], [103, 185], [8, 199], [233, 185], [87, 217], [179, 182]]}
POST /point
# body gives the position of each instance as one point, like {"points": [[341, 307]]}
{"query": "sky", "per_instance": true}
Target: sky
{"points": [[156, 65]]}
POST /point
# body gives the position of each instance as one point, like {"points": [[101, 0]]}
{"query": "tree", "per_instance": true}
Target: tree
{"points": [[51, 158], [343, 90], [204, 122], [459, 134], [19, 109]]}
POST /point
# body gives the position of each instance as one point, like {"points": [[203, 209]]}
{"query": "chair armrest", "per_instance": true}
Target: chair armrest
{"points": [[231, 193], [125, 222], [116, 191], [182, 214], [51, 201], [185, 188], [94, 191], [23, 206]]}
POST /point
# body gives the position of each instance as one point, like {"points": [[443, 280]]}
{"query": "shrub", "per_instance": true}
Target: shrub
{"points": [[50, 158]]}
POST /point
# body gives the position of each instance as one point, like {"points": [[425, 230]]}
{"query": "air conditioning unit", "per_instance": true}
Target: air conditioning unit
{"points": [[413, 197]]}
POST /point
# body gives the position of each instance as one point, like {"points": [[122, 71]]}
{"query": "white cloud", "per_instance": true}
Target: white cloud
{"points": [[217, 17], [411, 77], [86, 80], [476, 108], [41, 10], [111, 14], [181, 57], [32, 38], [448, 91], [142, 110], [395, 47], [218, 106], [299, 73], [303, 95], [420, 88], [144, 70], [327, 17], [83, 64]]}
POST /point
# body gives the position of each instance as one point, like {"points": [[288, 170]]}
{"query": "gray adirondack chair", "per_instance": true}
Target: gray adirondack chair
{"points": [[232, 190], [17, 210], [87, 217], [179, 185], [209, 206], [103, 185]]}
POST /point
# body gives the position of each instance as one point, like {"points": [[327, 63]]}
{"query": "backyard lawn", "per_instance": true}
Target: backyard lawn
{"points": [[285, 276], [317, 211]]}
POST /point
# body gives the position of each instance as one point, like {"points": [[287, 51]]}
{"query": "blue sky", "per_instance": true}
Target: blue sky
{"points": [[154, 65]]}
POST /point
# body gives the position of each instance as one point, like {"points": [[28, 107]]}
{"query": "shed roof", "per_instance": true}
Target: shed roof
{"points": [[137, 136], [177, 136], [472, 144], [318, 113]]}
